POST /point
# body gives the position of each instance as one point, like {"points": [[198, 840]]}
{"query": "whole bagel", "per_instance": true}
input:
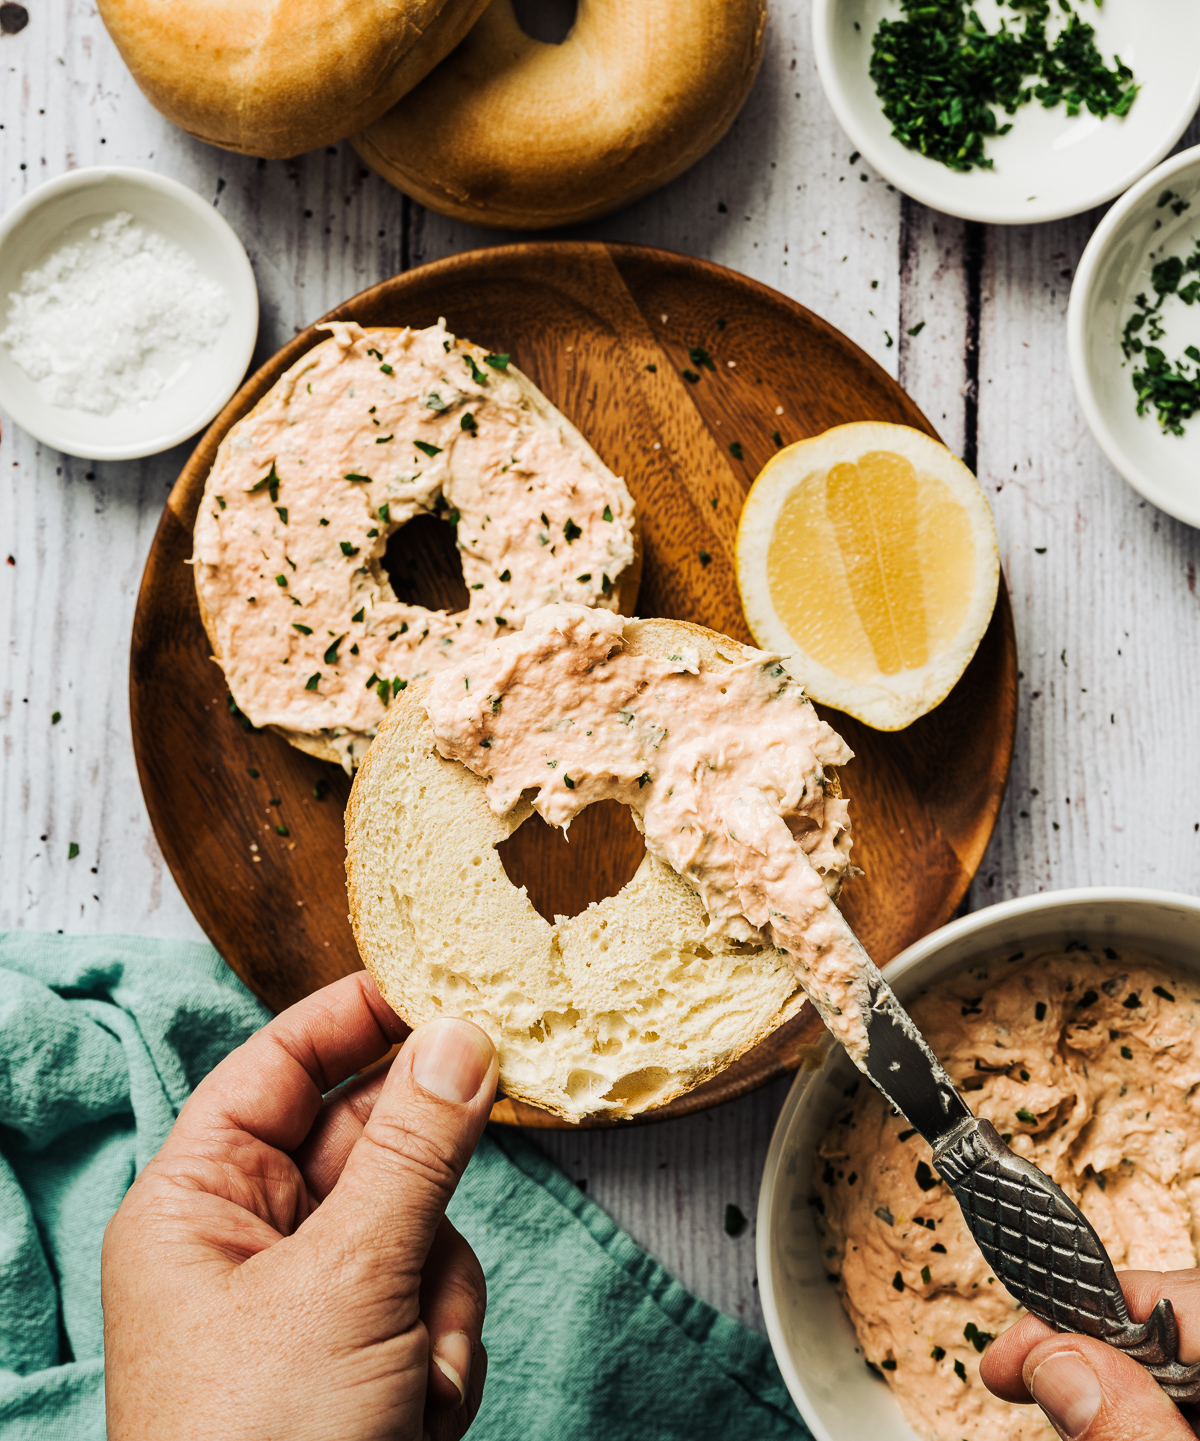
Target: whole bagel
{"points": [[618, 1009], [266, 78], [509, 131]]}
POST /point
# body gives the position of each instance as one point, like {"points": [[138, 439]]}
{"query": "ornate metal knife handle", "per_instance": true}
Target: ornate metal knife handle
{"points": [[1047, 1253]]}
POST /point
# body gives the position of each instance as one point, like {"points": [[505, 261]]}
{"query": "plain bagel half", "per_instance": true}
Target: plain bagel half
{"points": [[264, 77], [620, 1008], [510, 131]]}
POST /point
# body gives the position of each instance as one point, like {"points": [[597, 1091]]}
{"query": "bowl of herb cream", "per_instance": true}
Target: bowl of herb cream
{"points": [[1010, 113], [1133, 328], [128, 313], [1071, 1020]]}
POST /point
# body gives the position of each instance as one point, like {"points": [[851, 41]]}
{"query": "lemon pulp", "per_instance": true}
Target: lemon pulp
{"points": [[871, 565]]}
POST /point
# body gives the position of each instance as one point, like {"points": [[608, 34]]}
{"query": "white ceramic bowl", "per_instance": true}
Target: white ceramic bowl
{"points": [[1049, 165], [1114, 268], [62, 210], [811, 1334]]}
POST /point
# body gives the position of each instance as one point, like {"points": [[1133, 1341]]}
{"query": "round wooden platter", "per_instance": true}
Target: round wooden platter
{"points": [[608, 332]]}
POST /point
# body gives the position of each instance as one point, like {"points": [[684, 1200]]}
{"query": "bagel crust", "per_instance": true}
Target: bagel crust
{"points": [[637, 999], [366, 431], [509, 131], [266, 78]]}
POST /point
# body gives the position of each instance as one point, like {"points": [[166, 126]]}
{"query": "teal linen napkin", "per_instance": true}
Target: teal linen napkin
{"points": [[102, 1039]]}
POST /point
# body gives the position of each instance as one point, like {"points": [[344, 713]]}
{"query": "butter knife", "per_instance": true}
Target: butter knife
{"points": [[1033, 1236]]}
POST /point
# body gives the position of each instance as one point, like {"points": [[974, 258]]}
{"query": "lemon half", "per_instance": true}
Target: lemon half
{"points": [[868, 555]]}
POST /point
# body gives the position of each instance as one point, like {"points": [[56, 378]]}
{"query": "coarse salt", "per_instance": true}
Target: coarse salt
{"points": [[109, 320]]}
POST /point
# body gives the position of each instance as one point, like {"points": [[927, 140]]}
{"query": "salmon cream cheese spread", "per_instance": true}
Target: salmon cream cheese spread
{"points": [[1088, 1064], [723, 768], [369, 429]]}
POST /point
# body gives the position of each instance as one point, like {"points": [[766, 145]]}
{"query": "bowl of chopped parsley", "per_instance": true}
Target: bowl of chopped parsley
{"points": [[1133, 331], [1010, 111]]}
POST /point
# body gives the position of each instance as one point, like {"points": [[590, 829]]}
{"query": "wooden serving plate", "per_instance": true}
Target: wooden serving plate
{"points": [[605, 331]]}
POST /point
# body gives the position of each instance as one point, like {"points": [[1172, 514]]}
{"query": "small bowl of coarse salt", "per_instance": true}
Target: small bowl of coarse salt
{"points": [[128, 313]]}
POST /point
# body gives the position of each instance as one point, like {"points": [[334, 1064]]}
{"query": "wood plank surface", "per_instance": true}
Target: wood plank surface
{"points": [[1105, 786]]}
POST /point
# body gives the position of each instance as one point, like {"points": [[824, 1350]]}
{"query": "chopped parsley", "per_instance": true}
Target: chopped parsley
{"points": [[385, 512], [282, 830], [607, 513], [506, 575], [281, 512], [979, 1339], [1026, 1115], [331, 655], [220, 499], [938, 1353], [433, 401], [269, 483], [584, 578], [735, 1220], [889, 1364], [960, 1371], [705, 558], [699, 356], [469, 424], [347, 548], [1039, 1011], [383, 439], [398, 685], [605, 585], [925, 1177], [643, 779], [358, 614], [477, 375], [387, 369], [72, 850], [1164, 993], [1126, 1053], [424, 445], [897, 1282], [384, 691], [938, 73], [918, 328], [313, 681], [56, 717], [320, 789], [303, 629], [735, 449], [571, 531], [690, 376], [925, 1275], [1169, 386], [350, 475], [497, 362]]}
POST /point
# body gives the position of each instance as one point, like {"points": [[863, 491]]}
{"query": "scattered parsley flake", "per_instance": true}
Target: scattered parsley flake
{"points": [[303, 629], [72, 850], [347, 548], [282, 830], [313, 681], [506, 575], [735, 1220], [735, 449], [571, 531], [56, 717], [705, 558], [1027, 1116], [424, 445], [497, 362], [477, 375], [607, 513], [690, 376]]}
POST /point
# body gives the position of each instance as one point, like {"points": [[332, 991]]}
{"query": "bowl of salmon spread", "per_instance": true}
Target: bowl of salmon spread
{"points": [[1071, 1021]]}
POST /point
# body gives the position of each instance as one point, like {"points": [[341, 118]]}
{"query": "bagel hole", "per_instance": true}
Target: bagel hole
{"points": [[563, 877], [549, 21], [424, 567]]}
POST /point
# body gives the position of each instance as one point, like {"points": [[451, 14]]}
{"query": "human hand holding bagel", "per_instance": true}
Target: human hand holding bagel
{"points": [[284, 1266]]}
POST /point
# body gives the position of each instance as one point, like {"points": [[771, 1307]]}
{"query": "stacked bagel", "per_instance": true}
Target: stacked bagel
{"points": [[449, 99]]}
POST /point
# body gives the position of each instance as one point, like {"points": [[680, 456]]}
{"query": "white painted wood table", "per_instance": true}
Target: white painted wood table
{"points": [[1105, 785]]}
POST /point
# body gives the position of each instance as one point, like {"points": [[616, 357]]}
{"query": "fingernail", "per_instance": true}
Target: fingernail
{"points": [[451, 1058], [452, 1357], [1068, 1391]]}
